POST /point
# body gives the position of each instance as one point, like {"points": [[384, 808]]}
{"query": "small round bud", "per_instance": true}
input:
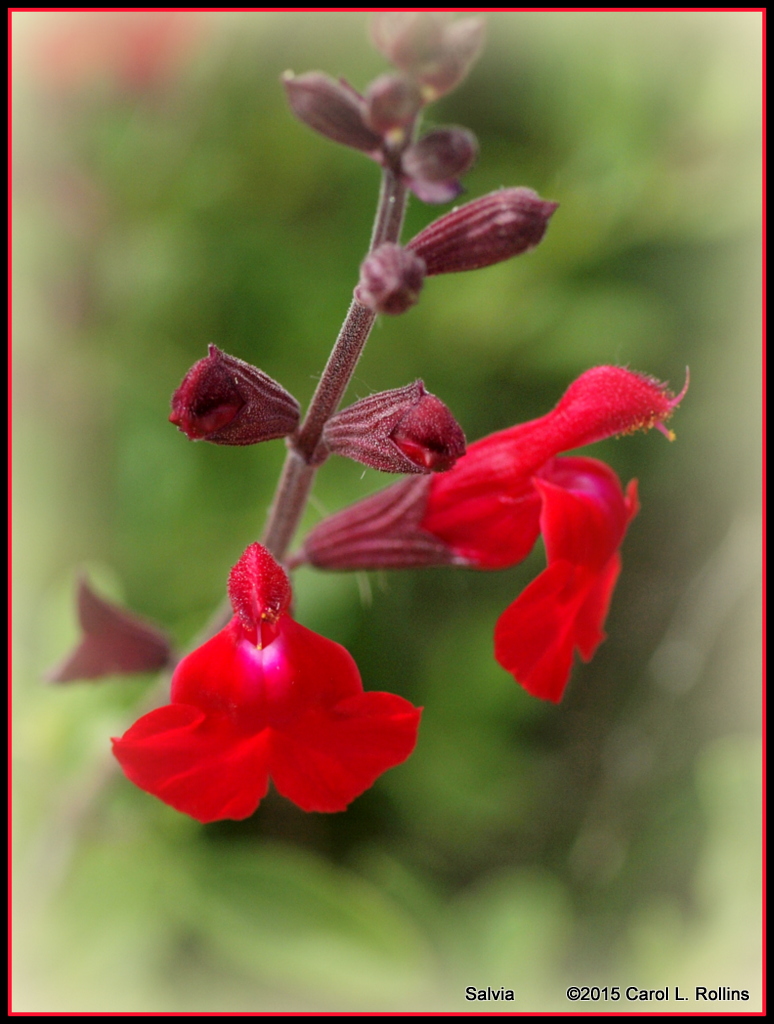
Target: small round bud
{"points": [[462, 43], [409, 39], [391, 279], [434, 50], [441, 155], [392, 103]]}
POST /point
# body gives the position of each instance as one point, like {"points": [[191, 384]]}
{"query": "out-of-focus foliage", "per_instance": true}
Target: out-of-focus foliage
{"points": [[165, 199]]}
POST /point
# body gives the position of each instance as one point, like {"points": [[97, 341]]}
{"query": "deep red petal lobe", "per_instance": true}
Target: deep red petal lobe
{"points": [[333, 754], [195, 762], [534, 636], [324, 672], [583, 521], [209, 677], [593, 612], [482, 511], [584, 516]]}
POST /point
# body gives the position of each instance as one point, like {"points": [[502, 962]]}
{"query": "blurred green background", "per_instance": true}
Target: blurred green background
{"points": [[164, 199]]}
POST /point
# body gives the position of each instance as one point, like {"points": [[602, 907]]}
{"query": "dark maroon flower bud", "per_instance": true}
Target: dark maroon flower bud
{"points": [[488, 230], [391, 279], [406, 430], [392, 103], [114, 642], [380, 532], [434, 50], [334, 109], [227, 401], [442, 154]]}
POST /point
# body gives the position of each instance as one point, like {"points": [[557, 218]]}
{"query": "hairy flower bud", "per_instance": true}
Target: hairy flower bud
{"points": [[227, 401], [406, 430], [332, 108], [114, 642], [391, 279], [392, 103], [488, 230], [437, 52]]}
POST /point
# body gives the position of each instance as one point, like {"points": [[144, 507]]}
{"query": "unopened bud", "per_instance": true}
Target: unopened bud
{"points": [[391, 279], [392, 103], [489, 230], [442, 154], [379, 532], [435, 51], [409, 39], [114, 642], [227, 401], [462, 43], [331, 108], [406, 430]]}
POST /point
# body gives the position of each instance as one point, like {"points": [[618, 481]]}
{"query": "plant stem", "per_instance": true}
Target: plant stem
{"points": [[301, 463], [305, 455]]}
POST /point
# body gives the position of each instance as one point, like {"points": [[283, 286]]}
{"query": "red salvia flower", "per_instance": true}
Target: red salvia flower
{"points": [[266, 697], [488, 510]]}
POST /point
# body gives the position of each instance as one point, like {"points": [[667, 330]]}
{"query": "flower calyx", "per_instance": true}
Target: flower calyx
{"points": [[405, 430], [114, 641], [227, 401], [502, 224]]}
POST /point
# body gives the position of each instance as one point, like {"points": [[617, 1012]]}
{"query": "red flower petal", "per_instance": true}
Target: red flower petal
{"points": [[583, 521], [534, 637], [584, 515], [593, 612], [332, 755], [197, 763]]}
